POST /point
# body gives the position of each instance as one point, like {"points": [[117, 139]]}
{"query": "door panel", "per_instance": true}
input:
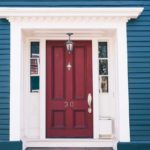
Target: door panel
{"points": [[58, 73], [68, 83], [79, 73]]}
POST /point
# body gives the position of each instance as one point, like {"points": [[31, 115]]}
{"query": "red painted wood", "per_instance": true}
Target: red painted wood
{"points": [[66, 91], [79, 68]]}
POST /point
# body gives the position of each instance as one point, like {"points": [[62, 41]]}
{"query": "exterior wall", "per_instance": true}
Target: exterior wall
{"points": [[73, 3], [4, 79], [133, 146], [138, 54], [11, 145], [139, 76]]}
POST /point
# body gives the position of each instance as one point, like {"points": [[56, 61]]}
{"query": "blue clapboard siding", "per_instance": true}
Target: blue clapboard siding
{"points": [[13, 145], [4, 78], [71, 3], [139, 75], [138, 57]]}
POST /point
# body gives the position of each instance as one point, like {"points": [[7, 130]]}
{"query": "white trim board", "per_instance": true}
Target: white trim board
{"points": [[130, 12], [70, 143], [43, 80], [69, 18]]}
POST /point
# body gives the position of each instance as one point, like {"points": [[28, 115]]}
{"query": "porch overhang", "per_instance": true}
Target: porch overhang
{"points": [[69, 18], [132, 12]]}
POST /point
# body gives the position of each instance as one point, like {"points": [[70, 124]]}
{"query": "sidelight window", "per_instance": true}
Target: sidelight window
{"points": [[34, 66], [103, 67]]}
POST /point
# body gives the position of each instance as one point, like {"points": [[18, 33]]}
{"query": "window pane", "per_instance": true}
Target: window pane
{"points": [[34, 83], [34, 49], [104, 84], [103, 67], [34, 66], [103, 50]]}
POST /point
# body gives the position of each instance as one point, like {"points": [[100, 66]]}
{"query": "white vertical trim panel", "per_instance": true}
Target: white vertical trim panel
{"points": [[15, 81], [43, 89], [122, 74], [95, 68]]}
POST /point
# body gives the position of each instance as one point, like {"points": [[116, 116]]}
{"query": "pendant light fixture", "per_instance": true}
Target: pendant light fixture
{"points": [[69, 43]]}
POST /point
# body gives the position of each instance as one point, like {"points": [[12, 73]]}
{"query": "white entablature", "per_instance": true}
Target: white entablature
{"points": [[131, 12], [77, 16]]}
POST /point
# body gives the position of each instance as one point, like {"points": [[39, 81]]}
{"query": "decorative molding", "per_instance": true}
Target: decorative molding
{"points": [[69, 15], [130, 12], [66, 19]]}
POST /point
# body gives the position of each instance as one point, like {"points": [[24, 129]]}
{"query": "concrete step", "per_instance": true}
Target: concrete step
{"points": [[68, 148]]}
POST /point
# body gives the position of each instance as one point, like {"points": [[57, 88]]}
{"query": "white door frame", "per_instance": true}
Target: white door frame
{"points": [[69, 18], [94, 80], [30, 36]]}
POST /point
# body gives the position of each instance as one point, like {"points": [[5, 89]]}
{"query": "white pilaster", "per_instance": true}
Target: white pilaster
{"points": [[15, 81], [122, 83]]}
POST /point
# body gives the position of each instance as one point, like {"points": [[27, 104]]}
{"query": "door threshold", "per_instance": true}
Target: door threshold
{"points": [[70, 143], [69, 148]]}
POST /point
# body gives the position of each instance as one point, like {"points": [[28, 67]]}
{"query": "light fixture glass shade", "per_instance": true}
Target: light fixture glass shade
{"points": [[69, 46], [69, 43]]}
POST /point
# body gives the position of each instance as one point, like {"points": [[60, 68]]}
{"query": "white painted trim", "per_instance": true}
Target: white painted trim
{"points": [[15, 82], [93, 142], [43, 89], [130, 12], [68, 18], [95, 66], [122, 77], [70, 143]]}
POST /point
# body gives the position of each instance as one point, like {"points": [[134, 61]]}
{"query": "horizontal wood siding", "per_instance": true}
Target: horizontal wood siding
{"points": [[138, 58], [4, 78], [139, 75], [72, 3]]}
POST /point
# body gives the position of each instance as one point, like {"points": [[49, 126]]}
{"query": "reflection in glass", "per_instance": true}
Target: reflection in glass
{"points": [[34, 49], [103, 67], [34, 83], [34, 66], [35, 58], [102, 49], [104, 84]]}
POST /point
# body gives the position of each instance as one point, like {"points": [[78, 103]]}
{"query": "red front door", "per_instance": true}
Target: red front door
{"points": [[68, 84]]}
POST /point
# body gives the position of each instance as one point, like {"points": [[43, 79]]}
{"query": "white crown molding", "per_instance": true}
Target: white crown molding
{"points": [[128, 12], [66, 19]]}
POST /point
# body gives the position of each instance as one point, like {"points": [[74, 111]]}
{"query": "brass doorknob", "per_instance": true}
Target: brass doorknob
{"points": [[89, 101]]}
